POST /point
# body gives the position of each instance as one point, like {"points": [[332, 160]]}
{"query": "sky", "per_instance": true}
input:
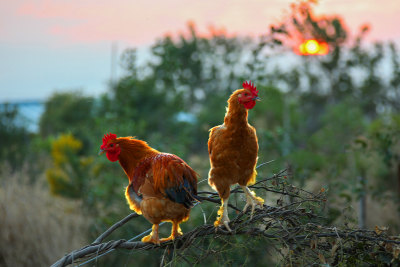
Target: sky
{"points": [[60, 45]]}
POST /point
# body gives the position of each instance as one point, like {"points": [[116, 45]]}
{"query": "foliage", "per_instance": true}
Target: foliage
{"points": [[65, 178], [14, 136], [352, 69], [69, 112], [341, 96]]}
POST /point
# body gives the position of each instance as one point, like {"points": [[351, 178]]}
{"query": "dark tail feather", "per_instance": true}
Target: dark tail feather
{"points": [[191, 195], [132, 194], [190, 199], [185, 194]]}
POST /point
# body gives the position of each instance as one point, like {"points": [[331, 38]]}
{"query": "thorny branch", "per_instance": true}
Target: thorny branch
{"points": [[293, 227]]}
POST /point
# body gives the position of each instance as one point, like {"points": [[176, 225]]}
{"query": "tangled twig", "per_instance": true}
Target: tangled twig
{"points": [[290, 226]]}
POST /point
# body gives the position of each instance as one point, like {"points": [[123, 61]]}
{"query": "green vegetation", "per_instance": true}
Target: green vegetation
{"points": [[334, 120]]}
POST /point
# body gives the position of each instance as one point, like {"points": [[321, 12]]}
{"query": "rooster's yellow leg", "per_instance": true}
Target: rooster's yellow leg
{"points": [[222, 217], [251, 200], [153, 236], [175, 232]]}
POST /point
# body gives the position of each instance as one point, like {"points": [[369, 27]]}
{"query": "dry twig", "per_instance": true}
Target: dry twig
{"points": [[294, 228]]}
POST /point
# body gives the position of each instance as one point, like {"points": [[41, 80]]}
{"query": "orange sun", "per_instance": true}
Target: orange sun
{"points": [[313, 47]]}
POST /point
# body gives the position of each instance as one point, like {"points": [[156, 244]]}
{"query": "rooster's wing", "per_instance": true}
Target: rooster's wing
{"points": [[169, 176], [215, 135]]}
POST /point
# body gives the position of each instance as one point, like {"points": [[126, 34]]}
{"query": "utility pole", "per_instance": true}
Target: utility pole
{"points": [[113, 69], [362, 216]]}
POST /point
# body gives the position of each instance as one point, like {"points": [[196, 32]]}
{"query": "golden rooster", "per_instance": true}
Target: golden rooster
{"points": [[162, 187], [233, 149]]}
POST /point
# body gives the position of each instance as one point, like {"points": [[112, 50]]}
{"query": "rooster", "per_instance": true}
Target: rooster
{"points": [[233, 149], [162, 187]]}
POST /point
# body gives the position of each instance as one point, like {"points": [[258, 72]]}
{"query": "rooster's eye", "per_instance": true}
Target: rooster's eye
{"points": [[111, 145]]}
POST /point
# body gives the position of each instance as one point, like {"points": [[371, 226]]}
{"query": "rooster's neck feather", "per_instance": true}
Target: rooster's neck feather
{"points": [[133, 151], [236, 113]]}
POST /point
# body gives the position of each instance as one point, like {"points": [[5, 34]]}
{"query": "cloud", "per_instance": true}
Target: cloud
{"points": [[141, 21]]}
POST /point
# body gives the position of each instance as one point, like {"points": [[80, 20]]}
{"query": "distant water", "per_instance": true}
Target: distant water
{"points": [[31, 112]]}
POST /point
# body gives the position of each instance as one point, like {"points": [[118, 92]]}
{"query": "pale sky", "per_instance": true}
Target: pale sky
{"points": [[49, 45]]}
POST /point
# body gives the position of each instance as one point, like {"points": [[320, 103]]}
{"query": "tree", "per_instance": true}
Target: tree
{"points": [[14, 136], [340, 94], [69, 112]]}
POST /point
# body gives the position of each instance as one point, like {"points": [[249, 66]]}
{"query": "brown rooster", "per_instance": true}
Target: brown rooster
{"points": [[162, 187], [233, 149]]}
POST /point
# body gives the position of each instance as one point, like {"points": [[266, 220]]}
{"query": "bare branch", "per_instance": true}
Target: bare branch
{"points": [[293, 226], [114, 227]]}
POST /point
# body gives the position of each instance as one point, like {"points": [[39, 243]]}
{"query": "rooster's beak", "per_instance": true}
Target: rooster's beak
{"points": [[101, 151], [257, 98]]}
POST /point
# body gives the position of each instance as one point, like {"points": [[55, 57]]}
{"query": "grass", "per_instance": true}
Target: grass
{"points": [[36, 228]]}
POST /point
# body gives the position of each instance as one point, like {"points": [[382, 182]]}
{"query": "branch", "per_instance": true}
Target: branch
{"points": [[114, 227], [290, 226]]}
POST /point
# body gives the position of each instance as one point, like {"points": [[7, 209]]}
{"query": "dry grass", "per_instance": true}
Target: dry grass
{"points": [[36, 228]]}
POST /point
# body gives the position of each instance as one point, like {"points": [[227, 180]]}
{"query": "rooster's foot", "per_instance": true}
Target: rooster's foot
{"points": [[151, 239], [153, 236], [251, 200], [223, 218]]}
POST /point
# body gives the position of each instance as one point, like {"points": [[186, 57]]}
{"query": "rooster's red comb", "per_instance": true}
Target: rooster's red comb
{"points": [[250, 86], [107, 137]]}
